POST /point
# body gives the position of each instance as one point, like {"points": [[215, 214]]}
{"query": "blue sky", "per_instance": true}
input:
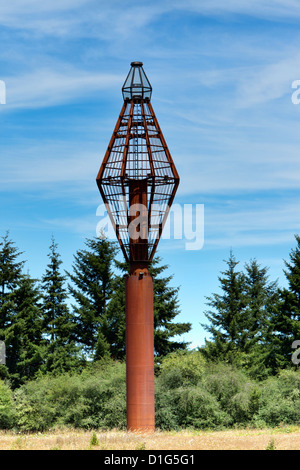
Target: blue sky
{"points": [[222, 75]]}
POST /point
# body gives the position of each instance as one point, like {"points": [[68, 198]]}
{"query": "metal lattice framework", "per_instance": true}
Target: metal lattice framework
{"points": [[138, 169]]}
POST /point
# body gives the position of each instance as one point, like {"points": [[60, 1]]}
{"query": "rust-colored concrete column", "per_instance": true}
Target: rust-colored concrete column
{"points": [[140, 350]]}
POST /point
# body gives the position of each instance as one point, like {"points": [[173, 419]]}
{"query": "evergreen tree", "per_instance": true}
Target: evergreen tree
{"points": [[261, 298], [166, 308], [61, 353], [228, 315], [10, 274], [114, 326], [23, 337], [92, 288], [242, 322], [287, 321]]}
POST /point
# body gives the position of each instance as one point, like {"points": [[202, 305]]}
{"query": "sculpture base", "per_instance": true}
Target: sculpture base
{"points": [[140, 350]]}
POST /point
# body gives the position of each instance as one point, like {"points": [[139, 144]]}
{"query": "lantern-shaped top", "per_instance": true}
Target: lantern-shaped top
{"points": [[137, 85], [137, 179]]}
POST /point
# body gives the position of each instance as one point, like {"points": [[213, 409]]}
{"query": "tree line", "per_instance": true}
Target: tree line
{"points": [[64, 320], [253, 322]]}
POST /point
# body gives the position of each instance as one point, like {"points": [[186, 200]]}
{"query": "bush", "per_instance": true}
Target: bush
{"points": [[166, 413], [105, 396], [280, 400], [198, 409], [182, 368], [224, 381], [236, 394], [224, 396], [189, 393], [93, 399], [182, 399], [7, 413], [35, 410], [188, 407]]}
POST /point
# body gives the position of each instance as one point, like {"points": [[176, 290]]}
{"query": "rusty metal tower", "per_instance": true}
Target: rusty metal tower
{"points": [[138, 181]]}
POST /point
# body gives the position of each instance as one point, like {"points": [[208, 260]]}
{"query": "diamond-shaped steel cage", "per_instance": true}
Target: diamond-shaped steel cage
{"points": [[138, 169]]}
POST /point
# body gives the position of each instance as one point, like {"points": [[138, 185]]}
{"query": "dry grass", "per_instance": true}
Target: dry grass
{"points": [[287, 438]]}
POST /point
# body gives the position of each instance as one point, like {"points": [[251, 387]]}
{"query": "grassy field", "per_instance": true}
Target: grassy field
{"points": [[285, 438]]}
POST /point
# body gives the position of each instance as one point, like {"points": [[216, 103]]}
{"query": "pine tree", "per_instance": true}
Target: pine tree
{"points": [[287, 321], [166, 308], [227, 317], [91, 288], [242, 320], [61, 353], [114, 324], [10, 274], [261, 298], [23, 337]]}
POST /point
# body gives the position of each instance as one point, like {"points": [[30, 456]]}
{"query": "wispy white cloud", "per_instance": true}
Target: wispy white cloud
{"points": [[40, 165], [268, 9], [132, 11], [82, 225], [50, 86], [118, 20], [251, 222], [269, 82], [240, 167], [43, 17], [86, 18], [26, 6]]}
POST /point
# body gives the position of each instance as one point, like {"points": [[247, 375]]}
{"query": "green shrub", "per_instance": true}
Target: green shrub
{"points": [[35, 411], [224, 381], [186, 406], [166, 413], [237, 395], [198, 409], [104, 396], [182, 368], [94, 440], [189, 393], [7, 413], [93, 399], [271, 445], [280, 400]]}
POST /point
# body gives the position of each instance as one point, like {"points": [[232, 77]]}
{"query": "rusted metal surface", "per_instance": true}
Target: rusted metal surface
{"points": [[140, 350], [138, 151], [138, 221], [138, 171]]}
